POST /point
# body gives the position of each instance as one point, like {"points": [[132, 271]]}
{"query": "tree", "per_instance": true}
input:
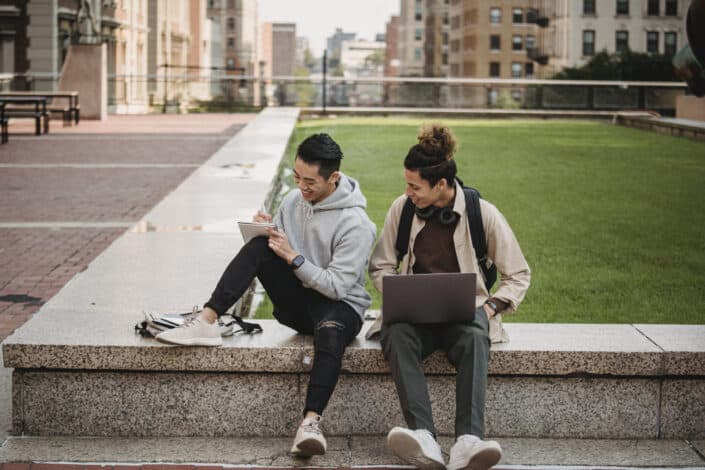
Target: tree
{"points": [[627, 65]]}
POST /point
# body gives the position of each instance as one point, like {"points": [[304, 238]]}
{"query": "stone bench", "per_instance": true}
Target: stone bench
{"points": [[551, 380]]}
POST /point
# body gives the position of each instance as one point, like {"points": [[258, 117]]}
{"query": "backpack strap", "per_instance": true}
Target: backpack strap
{"points": [[404, 230], [477, 233]]}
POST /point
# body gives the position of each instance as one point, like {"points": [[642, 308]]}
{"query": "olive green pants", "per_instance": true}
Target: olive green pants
{"points": [[467, 346]]}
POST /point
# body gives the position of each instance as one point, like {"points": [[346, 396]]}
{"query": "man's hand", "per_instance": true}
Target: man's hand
{"points": [[261, 217], [489, 311], [279, 244]]}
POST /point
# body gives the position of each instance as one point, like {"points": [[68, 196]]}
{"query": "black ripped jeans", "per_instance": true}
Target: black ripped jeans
{"points": [[333, 323]]}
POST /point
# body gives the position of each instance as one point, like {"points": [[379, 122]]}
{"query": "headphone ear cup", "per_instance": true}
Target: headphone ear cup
{"points": [[426, 213], [447, 216]]}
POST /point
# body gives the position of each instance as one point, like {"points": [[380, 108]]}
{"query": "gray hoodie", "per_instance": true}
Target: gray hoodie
{"points": [[336, 238]]}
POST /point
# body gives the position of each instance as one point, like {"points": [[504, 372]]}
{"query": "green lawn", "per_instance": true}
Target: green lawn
{"points": [[610, 219]]}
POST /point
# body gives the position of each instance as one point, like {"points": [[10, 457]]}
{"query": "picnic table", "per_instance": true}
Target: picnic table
{"points": [[39, 103], [69, 112]]}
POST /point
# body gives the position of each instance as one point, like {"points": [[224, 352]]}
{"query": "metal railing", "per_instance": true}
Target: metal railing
{"points": [[184, 92]]}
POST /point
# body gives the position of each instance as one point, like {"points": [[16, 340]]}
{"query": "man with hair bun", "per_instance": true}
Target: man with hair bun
{"points": [[440, 242], [312, 265]]}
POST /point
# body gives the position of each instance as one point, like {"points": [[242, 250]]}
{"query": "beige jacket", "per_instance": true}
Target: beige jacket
{"points": [[502, 248]]}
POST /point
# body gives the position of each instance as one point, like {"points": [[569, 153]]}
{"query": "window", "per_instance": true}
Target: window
{"points": [[417, 53], [231, 23], [418, 15], [669, 43], [444, 59], [517, 16], [531, 15], [444, 41], [516, 70], [671, 7], [529, 69], [653, 7], [495, 42], [517, 42], [230, 64], [588, 42], [455, 45], [495, 15], [621, 43], [622, 7], [588, 7], [455, 22], [652, 42], [494, 69], [418, 34], [530, 41], [445, 18], [231, 43]]}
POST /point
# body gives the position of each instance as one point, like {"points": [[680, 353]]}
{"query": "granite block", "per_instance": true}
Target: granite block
{"points": [[683, 346], [683, 409], [156, 404], [593, 453], [95, 337], [586, 408], [699, 445]]}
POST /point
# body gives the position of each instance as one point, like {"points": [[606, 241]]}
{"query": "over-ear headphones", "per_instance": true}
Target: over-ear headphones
{"points": [[446, 216]]}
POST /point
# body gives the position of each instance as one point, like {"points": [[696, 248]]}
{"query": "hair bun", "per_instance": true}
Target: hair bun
{"points": [[437, 140]]}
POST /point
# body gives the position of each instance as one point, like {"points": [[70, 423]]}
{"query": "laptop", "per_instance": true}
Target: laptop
{"points": [[429, 298]]}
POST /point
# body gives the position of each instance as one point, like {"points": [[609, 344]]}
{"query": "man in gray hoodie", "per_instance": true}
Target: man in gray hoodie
{"points": [[313, 266]]}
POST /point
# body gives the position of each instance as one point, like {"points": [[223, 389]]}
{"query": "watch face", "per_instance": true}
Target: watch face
{"points": [[298, 261]]}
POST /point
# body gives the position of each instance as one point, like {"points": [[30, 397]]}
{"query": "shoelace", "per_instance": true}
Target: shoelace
{"points": [[311, 426]]}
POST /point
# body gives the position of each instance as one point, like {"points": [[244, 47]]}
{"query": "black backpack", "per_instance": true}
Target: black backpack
{"points": [[477, 232]]}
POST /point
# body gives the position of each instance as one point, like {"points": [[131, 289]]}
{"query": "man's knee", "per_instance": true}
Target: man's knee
{"points": [[468, 342], [398, 337], [329, 337]]}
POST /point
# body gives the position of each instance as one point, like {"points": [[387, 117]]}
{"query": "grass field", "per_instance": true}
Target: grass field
{"points": [[610, 219]]}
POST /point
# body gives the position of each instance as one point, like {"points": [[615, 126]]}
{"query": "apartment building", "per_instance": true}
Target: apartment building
{"points": [[128, 70], [437, 27], [391, 52], [411, 38], [238, 22], [575, 30]]}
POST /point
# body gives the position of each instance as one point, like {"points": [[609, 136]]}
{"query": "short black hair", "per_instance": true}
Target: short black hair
{"points": [[322, 150]]}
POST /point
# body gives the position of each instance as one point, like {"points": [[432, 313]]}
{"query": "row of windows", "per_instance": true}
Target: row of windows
{"points": [[518, 42], [670, 40], [653, 7], [517, 69], [519, 16]]}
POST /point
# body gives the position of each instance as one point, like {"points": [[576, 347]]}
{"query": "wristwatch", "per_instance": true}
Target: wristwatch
{"points": [[492, 305], [297, 262]]}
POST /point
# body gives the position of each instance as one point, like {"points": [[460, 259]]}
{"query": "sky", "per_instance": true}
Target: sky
{"points": [[317, 19]]}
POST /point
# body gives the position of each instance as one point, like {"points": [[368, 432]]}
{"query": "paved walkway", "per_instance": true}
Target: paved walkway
{"points": [[65, 196]]}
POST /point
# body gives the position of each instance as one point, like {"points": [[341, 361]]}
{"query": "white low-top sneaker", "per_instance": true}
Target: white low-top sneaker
{"points": [[195, 332], [309, 439], [417, 448], [472, 453]]}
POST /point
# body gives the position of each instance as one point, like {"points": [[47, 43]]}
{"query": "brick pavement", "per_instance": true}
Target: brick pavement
{"points": [[102, 175]]}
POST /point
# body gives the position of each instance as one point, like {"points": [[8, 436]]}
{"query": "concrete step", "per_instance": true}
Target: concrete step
{"points": [[348, 451]]}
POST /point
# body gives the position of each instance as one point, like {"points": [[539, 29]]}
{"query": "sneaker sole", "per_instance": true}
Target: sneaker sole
{"points": [[486, 458], [406, 448], [192, 342], [308, 448]]}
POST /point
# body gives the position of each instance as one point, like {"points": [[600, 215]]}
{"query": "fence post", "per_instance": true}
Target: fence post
{"points": [[325, 67]]}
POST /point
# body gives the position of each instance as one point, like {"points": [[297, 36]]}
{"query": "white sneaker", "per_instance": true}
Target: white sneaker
{"points": [[195, 332], [417, 448], [309, 439], [472, 453]]}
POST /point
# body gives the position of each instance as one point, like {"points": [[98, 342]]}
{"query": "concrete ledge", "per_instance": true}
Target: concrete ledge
{"points": [[96, 341], [675, 127], [344, 452]]}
